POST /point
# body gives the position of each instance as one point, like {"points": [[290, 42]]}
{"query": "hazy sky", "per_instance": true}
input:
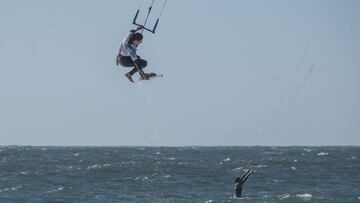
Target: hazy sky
{"points": [[233, 72]]}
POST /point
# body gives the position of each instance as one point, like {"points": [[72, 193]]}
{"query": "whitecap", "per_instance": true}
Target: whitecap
{"points": [[11, 188], [69, 167], [171, 159], [323, 154], [284, 196], [305, 196], [308, 150], [16, 187], [167, 176], [128, 163], [76, 154], [93, 166], [24, 172], [293, 168], [55, 190], [4, 190], [227, 159]]}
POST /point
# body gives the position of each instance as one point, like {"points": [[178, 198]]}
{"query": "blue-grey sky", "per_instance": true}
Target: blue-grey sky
{"points": [[231, 71]]}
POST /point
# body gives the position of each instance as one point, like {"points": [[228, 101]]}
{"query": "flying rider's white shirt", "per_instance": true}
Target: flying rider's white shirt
{"points": [[127, 49]]}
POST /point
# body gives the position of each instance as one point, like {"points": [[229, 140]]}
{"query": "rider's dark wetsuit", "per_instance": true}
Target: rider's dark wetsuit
{"points": [[239, 183], [127, 55]]}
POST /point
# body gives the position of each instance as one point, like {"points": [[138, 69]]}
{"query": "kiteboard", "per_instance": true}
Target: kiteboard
{"points": [[152, 76]]}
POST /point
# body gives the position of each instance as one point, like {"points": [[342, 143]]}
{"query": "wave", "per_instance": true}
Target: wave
{"points": [[323, 154], [305, 196]]}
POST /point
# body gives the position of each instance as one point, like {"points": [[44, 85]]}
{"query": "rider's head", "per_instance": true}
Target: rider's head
{"points": [[136, 39]]}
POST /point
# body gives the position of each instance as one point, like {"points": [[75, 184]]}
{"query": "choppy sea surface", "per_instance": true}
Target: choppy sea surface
{"points": [[178, 174]]}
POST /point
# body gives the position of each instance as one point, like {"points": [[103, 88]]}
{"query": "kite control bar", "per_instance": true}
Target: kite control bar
{"points": [[135, 23], [147, 17]]}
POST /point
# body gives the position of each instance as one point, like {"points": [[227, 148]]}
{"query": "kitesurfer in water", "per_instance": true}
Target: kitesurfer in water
{"points": [[127, 54], [239, 181]]}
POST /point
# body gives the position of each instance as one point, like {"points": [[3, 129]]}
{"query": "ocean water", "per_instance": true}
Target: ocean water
{"points": [[178, 174]]}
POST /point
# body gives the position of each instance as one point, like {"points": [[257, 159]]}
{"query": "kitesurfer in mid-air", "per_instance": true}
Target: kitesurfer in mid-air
{"points": [[127, 54], [239, 181]]}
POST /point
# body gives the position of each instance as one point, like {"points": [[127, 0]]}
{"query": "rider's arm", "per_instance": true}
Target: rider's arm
{"points": [[247, 176]]}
